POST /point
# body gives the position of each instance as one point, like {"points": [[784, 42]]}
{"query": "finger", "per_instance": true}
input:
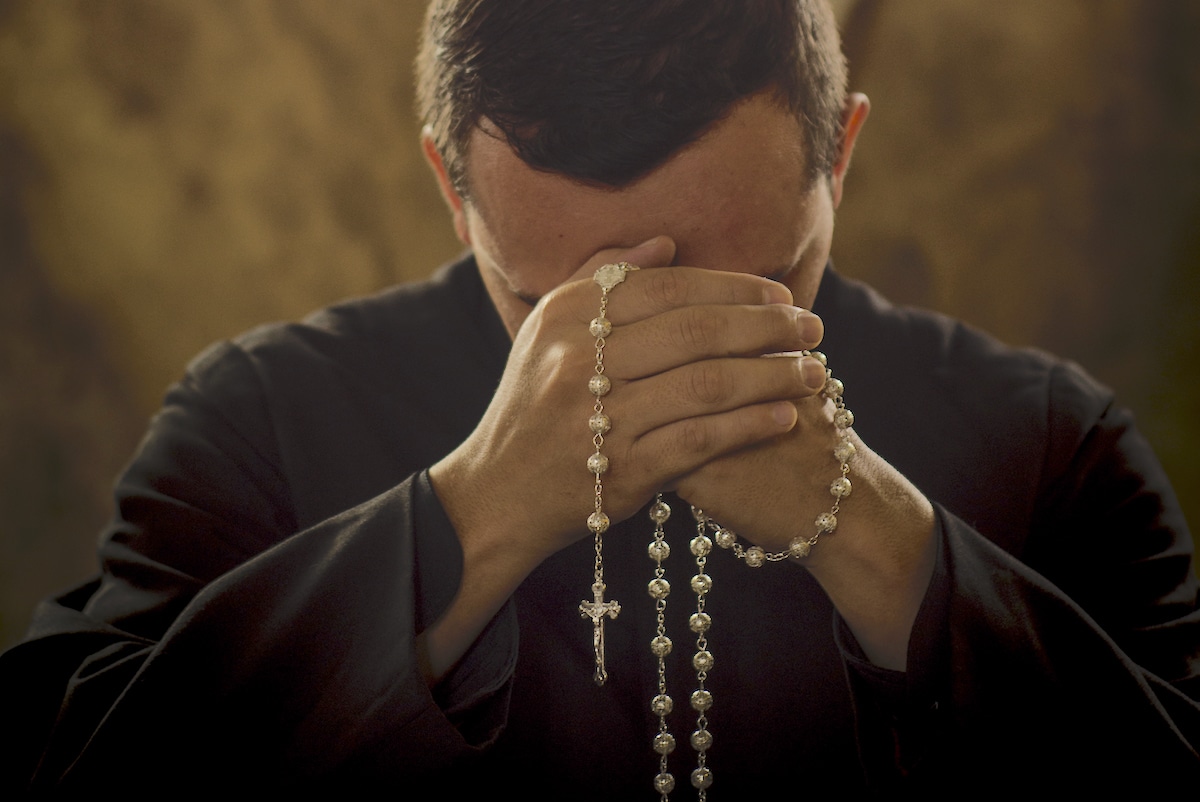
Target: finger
{"points": [[684, 446], [658, 288], [653, 291], [692, 333], [654, 252], [712, 387]]}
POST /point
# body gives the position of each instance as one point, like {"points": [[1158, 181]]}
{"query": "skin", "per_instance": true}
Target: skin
{"points": [[733, 242]]}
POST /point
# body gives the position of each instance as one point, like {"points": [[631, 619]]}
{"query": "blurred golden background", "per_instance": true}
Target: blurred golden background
{"points": [[174, 173]]}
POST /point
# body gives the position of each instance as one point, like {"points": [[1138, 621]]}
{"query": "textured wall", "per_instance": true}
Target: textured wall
{"points": [[173, 173]]}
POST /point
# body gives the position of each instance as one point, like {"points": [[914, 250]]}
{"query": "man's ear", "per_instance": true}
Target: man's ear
{"points": [[453, 199], [854, 114]]}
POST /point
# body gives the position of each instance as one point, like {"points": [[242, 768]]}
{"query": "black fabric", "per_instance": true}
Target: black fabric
{"points": [[277, 548]]}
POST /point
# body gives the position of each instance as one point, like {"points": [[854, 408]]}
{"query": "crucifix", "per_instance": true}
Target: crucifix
{"points": [[596, 610]]}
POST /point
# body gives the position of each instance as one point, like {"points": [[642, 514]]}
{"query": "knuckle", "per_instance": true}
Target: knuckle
{"points": [[694, 437], [708, 384], [700, 332], [668, 288]]}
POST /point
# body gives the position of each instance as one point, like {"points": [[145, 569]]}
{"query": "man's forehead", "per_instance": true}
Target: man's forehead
{"points": [[755, 140]]}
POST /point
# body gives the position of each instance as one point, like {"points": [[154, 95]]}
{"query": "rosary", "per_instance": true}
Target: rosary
{"points": [[597, 609]]}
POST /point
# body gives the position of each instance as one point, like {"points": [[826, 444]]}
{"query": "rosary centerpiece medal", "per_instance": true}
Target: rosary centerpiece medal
{"points": [[597, 608]]}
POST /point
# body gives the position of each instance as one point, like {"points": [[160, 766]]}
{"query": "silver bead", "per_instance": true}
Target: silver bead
{"points": [[659, 588], [844, 451], [664, 783], [658, 550], [599, 385], [597, 522], [701, 740], [699, 622], [843, 419], [817, 355], [597, 463], [701, 584], [755, 557], [826, 522], [664, 743], [661, 705], [833, 388], [701, 700], [841, 487], [701, 778], [600, 423], [702, 660], [701, 545], [659, 512], [600, 327], [800, 547], [660, 646], [725, 538]]}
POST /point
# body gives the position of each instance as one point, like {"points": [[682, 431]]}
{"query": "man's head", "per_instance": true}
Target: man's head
{"points": [[604, 91], [560, 130]]}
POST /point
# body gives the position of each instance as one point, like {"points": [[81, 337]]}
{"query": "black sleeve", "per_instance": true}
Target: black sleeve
{"points": [[1076, 662], [219, 642]]}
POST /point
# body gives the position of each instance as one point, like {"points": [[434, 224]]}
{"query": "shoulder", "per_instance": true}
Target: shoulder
{"points": [[980, 426], [405, 328]]}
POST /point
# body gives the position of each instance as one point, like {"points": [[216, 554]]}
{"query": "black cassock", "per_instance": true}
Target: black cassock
{"points": [[277, 547]]}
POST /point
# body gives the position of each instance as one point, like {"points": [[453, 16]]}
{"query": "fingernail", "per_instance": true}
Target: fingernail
{"points": [[784, 414], [813, 373], [811, 327], [776, 293]]}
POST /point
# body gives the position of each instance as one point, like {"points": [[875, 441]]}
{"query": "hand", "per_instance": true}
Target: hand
{"points": [[682, 395], [687, 388], [875, 567]]}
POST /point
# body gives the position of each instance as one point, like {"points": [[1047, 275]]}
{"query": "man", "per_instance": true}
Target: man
{"points": [[351, 553]]}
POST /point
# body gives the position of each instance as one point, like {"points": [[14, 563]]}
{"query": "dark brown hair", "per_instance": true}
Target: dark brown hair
{"points": [[604, 91]]}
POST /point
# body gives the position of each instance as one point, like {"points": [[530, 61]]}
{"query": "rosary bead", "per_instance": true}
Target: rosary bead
{"points": [[600, 327], [658, 550], [701, 700], [600, 423], [701, 584], [702, 660], [597, 522], [826, 522], [817, 355], [660, 646], [755, 557], [699, 622], [659, 588], [725, 538], [664, 783], [599, 385], [597, 463], [661, 705], [664, 743], [843, 419], [833, 388], [701, 778], [701, 740], [844, 451], [841, 487], [659, 512], [799, 547], [701, 545]]}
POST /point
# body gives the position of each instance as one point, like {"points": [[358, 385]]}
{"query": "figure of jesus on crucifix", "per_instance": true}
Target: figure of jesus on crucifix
{"points": [[596, 610]]}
